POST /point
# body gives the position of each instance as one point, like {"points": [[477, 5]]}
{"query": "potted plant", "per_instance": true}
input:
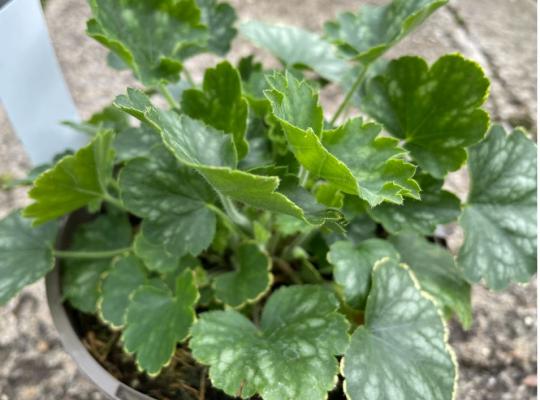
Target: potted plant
{"points": [[238, 243]]}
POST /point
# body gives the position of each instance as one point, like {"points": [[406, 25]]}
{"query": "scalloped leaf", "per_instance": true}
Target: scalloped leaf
{"points": [[155, 257], [368, 33], [250, 280], [350, 157], [152, 38], [437, 273], [27, 253], [220, 19], [436, 110], [297, 47], [220, 104], [214, 156], [499, 219], [437, 207], [174, 201], [81, 277], [157, 320], [402, 351], [74, 182], [124, 277], [291, 356], [353, 265]]}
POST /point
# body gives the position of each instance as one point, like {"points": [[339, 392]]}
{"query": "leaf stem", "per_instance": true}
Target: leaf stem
{"points": [[164, 90], [350, 93], [298, 241], [114, 201], [303, 176], [236, 216], [90, 254], [285, 267], [226, 220], [189, 78]]}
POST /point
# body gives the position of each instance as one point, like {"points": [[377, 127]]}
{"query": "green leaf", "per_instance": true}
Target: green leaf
{"points": [[220, 19], [401, 352], [291, 356], [151, 37], [27, 253], [173, 200], [220, 104], [81, 277], [74, 182], [155, 257], [370, 32], [350, 157], [436, 110], [296, 47], [437, 273], [499, 219], [124, 277], [157, 320], [213, 155], [250, 280], [353, 265], [135, 142], [437, 207], [109, 118]]}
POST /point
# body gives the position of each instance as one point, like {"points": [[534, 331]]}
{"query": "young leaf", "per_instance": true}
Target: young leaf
{"points": [[437, 273], [291, 356], [402, 350], [436, 110], [351, 157], [27, 253], [436, 207], [499, 218], [220, 104], [152, 38], [124, 277], [370, 32], [155, 257], [157, 320], [174, 200], [137, 142], [81, 277], [219, 18], [214, 156], [296, 47], [74, 182], [250, 280], [353, 265]]}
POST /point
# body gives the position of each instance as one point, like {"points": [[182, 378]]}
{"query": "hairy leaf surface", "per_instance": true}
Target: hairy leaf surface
{"points": [[157, 320], [401, 352], [499, 218], [220, 104], [250, 280], [174, 201], [26, 253], [296, 47], [291, 356], [436, 207], [151, 37], [436, 110], [368, 33], [214, 156], [353, 265], [437, 273], [351, 157], [74, 182]]}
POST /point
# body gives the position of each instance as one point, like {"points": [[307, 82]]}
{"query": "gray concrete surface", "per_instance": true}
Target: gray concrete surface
{"points": [[498, 355]]}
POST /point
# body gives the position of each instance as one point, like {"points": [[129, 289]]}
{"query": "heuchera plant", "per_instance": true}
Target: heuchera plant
{"points": [[292, 251]]}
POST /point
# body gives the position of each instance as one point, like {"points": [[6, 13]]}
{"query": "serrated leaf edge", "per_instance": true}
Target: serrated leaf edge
{"points": [[430, 298]]}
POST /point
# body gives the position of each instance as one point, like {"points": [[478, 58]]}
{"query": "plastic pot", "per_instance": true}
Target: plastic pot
{"points": [[108, 384]]}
